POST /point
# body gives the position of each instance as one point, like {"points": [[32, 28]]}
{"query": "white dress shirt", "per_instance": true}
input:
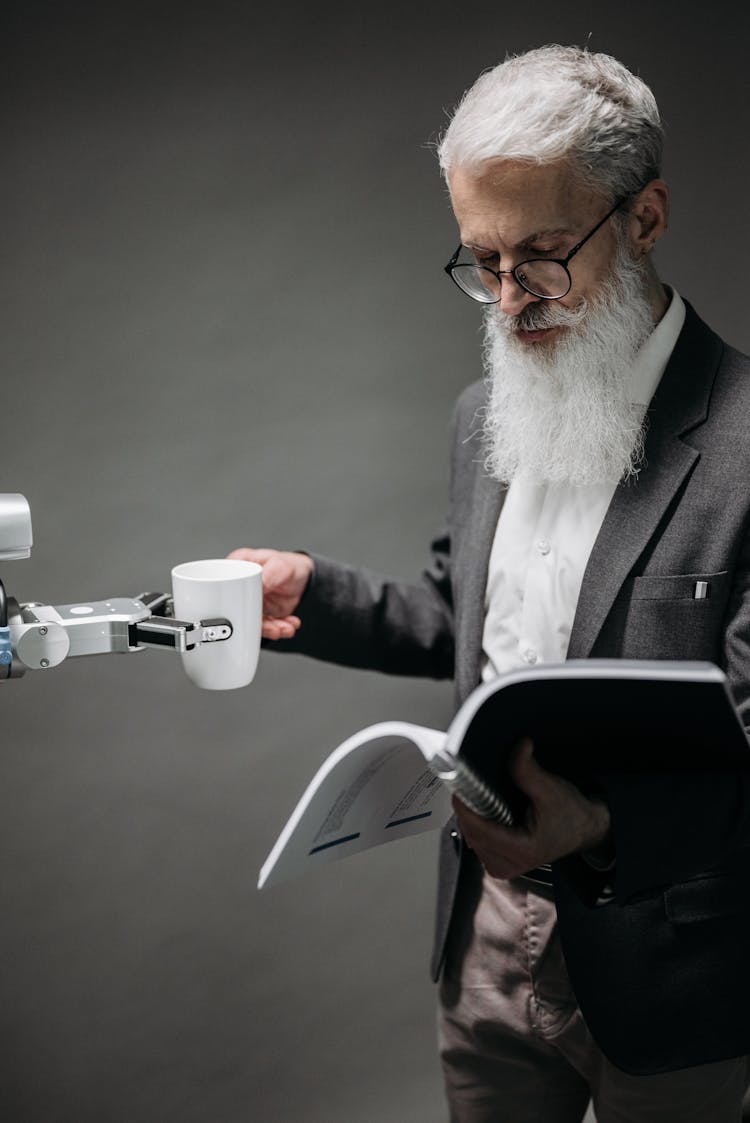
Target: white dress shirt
{"points": [[545, 535]]}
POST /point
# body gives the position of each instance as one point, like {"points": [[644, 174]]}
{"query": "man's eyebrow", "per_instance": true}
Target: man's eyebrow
{"points": [[537, 236], [540, 235]]}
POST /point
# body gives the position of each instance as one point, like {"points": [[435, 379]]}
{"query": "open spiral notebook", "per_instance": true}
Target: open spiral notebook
{"points": [[587, 718]]}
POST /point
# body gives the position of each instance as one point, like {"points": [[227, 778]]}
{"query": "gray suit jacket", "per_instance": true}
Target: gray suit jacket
{"points": [[659, 972]]}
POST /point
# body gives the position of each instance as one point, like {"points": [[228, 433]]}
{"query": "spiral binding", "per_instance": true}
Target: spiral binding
{"points": [[461, 779]]}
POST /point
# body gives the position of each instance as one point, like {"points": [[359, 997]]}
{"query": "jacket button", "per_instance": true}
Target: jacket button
{"points": [[455, 839]]}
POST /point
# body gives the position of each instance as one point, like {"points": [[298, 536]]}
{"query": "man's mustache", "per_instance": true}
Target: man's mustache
{"points": [[536, 317]]}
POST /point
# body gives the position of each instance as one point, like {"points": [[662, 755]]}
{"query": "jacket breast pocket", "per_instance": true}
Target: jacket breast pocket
{"points": [[674, 616]]}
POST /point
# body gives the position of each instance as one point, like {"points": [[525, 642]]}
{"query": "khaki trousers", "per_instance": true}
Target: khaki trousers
{"points": [[514, 1046]]}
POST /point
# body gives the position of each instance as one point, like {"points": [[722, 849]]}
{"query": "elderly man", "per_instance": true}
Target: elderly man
{"points": [[599, 477]]}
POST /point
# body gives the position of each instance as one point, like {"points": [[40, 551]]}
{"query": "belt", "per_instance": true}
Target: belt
{"points": [[540, 875]]}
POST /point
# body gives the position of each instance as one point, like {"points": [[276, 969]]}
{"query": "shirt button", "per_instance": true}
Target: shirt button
{"points": [[529, 655], [543, 547]]}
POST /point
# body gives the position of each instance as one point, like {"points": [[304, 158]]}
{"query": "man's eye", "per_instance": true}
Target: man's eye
{"points": [[489, 261]]}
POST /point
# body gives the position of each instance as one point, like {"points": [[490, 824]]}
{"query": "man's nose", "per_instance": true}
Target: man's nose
{"points": [[514, 297]]}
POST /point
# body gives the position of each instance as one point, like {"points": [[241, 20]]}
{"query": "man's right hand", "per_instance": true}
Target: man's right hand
{"points": [[285, 577]]}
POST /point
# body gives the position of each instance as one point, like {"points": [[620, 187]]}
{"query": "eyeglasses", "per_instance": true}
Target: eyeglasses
{"points": [[546, 277]]}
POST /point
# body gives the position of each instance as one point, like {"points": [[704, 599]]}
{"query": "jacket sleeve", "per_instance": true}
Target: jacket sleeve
{"points": [[358, 618]]}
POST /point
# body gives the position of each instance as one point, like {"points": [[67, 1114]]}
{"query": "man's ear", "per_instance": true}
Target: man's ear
{"points": [[648, 216]]}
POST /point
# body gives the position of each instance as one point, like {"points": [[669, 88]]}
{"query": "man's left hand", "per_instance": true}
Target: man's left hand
{"points": [[560, 820]]}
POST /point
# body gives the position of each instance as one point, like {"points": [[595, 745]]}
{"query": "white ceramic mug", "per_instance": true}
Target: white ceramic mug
{"points": [[225, 587]]}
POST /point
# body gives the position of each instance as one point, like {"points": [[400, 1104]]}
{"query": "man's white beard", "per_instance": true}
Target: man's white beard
{"points": [[562, 411]]}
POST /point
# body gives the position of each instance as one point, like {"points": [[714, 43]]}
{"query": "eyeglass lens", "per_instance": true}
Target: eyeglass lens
{"points": [[541, 278]]}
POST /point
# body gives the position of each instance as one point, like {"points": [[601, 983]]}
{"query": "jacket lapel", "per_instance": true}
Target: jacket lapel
{"points": [[473, 561], [680, 404]]}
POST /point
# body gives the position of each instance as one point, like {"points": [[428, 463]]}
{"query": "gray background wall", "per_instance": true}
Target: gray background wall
{"points": [[224, 322]]}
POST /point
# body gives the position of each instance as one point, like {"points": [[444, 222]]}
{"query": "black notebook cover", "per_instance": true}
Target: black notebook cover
{"points": [[590, 718]]}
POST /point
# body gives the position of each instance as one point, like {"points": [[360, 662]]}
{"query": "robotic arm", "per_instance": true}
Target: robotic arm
{"points": [[38, 636]]}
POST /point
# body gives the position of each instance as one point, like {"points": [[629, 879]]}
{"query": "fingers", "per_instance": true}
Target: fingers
{"points": [[501, 852], [285, 578], [477, 831], [559, 820], [280, 628], [276, 572], [468, 820], [245, 553]]}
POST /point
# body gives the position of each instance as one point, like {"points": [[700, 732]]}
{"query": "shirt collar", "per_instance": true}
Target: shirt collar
{"points": [[654, 355]]}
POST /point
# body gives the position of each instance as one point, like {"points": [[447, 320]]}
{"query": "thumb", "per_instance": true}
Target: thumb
{"points": [[523, 767]]}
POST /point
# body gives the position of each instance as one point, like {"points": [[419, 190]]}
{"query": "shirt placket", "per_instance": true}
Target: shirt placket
{"points": [[540, 606]]}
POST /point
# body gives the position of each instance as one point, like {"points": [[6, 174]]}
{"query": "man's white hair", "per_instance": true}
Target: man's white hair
{"points": [[557, 103]]}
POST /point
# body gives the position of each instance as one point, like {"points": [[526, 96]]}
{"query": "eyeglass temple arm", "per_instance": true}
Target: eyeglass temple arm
{"points": [[454, 259], [583, 241]]}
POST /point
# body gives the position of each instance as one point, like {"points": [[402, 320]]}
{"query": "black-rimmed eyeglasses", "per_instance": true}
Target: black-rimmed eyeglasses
{"points": [[545, 277]]}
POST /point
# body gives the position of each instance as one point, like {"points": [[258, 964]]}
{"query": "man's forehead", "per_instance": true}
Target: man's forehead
{"points": [[517, 202], [516, 181]]}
